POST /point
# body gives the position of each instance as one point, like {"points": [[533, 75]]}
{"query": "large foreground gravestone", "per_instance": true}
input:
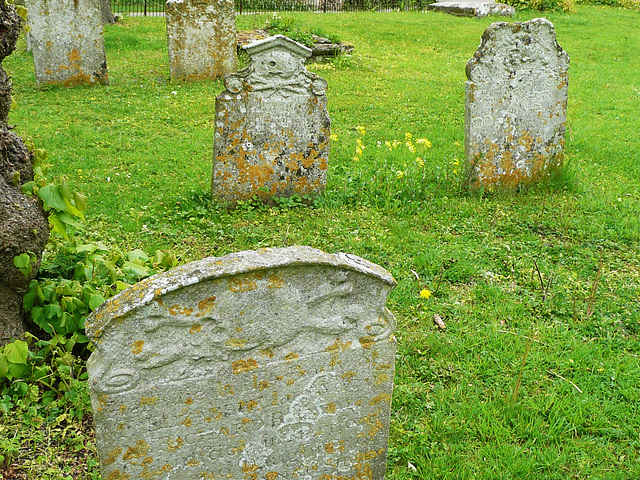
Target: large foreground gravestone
{"points": [[272, 126], [516, 105], [270, 364], [67, 42], [201, 36]]}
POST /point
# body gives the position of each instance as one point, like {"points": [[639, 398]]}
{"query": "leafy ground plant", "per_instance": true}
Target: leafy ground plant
{"points": [[529, 378]]}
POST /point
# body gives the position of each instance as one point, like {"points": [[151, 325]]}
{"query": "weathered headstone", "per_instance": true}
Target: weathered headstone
{"points": [[269, 364], [67, 42], [272, 126], [201, 36], [516, 105], [472, 8]]}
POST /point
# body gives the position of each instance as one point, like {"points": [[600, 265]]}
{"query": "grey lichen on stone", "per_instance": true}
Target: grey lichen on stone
{"points": [[516, 105], [277, 362], [201, 38], [67, 42], [272, 129]]}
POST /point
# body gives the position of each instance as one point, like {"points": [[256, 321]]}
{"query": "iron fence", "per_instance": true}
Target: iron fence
{"points": [[156, 7]]}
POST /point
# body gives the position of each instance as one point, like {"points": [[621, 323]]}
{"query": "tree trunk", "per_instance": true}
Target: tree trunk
{"points": [[23, 223], [107, 15]]}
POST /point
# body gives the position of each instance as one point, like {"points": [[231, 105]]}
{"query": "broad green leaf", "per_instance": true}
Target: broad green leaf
{"points": [[71, 208], [95, 301], [41, 372], [69, 220], [81, 203], [28, 187], [29, 299], [17, 351], [21, 388], [88, 247], [51, 198], [135, 269], [24, 263], [65, 191], [57, 226], [137, 255], [4, 365]]}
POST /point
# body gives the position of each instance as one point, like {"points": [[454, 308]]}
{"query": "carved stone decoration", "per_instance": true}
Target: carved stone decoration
{"points": [[516, 105], [201, 37], [67, 42], [269, 364], [272, 128]]}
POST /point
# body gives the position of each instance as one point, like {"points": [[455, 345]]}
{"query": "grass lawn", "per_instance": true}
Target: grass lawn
{"points": [[537, 374]]}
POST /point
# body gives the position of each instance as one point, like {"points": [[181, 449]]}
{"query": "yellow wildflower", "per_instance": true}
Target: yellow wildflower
{"points": [[359, 144], [424, 293], [420, 162], [396, 144], [361, 130], [410, 147], [399, 174], [408, 136], [424, 141], [388, 145], [356, 159], [333, 137]]}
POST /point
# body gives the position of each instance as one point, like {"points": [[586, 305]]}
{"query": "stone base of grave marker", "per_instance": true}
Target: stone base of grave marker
{"points": [[201, 37], [272, 127], [67, 42], [270, 364], [473, 8], [516, 105]]}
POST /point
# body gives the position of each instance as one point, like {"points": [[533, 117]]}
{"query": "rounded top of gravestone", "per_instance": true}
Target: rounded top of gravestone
{"points": [[212, 268], [515, 49], [279, 42]]}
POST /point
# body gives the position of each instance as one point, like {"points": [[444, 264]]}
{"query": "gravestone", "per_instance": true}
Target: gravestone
{"points": [[269, 364], [201, 36], [516, 105], [272, 126], [67, 42]]}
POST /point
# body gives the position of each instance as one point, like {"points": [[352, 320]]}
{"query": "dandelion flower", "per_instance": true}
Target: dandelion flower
{"points": [[361, 130], [424, 293], [334, 137], [399, 174]]}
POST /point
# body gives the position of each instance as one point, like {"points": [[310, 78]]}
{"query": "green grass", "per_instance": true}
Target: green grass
{"points": [[141, 150]]}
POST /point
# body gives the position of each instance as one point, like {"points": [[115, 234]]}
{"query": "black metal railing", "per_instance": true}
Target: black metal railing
{"points": [[156, 7]]}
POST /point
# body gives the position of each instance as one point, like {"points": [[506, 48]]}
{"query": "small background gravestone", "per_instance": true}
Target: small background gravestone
{"points": [[272, 128], [516, 105], [67, 41], [201, 37], [270, 364], [473, 8]]}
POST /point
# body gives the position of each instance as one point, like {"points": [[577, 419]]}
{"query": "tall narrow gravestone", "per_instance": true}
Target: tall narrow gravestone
{"points": [[516, 105], [67, 42], [272, 126], [270, 364], [201, 36]]}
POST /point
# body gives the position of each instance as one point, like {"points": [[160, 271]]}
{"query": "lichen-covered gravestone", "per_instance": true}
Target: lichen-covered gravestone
{"points": [[201, 36], [67, 42], [269, 364], [272, 127], [516, 105]]}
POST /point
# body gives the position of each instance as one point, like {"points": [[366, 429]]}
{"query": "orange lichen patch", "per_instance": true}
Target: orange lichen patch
{"points": [[291, 356], [236, 342], [187, 422], [196, 328], [112, 456], [246, 421], [381, 378], [171, 447], [118, 475], [178, 310], [349, 375], [136, 347], [271, 475], [329, 448], [207, 304], [147, 461], [138, 451], [153, 474], [330, 408], [338, 346], [366, 342], [241, 284], [250, 471], [193, 462], [189, 401], [383, 397], [275, 281], [148, 400], [241, 366], [120, 426], [290, 382], [263, 385], [374, 424], [122, 408]]}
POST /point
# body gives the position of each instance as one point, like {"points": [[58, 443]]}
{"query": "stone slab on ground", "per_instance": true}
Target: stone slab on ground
{"points": [[470, 8], [269, 364], [67, 42]]}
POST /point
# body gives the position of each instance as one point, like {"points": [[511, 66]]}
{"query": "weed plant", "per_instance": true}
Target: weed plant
{"points": [[532, 370]]}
